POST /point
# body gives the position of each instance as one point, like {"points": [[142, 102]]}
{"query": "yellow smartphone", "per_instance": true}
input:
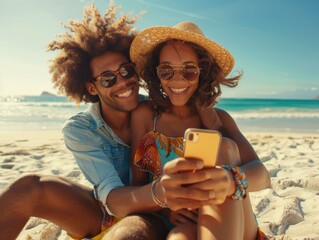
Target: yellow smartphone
{"points": [[202, 144]]}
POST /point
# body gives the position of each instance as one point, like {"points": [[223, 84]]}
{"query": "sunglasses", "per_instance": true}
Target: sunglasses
{"points": [[189, 71], [108, 78]]}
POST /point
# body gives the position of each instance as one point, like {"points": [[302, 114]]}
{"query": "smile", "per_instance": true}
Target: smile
{"points": [[125, 94], [178, 90]]}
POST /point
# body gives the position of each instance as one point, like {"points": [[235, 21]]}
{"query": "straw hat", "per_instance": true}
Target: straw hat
{"points": [[149, 38]]}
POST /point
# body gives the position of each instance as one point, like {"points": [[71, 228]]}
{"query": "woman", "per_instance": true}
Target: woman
{"points": [[183, 70]]}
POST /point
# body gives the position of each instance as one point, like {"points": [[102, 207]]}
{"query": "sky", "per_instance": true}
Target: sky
{"points": [[275, 43]]}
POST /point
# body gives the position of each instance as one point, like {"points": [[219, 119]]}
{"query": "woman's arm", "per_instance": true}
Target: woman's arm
{"points": [[185, 188], [256, 173]]}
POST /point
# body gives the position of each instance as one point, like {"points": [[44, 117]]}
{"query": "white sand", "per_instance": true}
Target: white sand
{"points": [[290, 210]]}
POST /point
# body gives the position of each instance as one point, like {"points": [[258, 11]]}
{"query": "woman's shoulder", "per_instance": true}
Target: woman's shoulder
{"points": [[144, 112], [144, 107], [222, 114], [229, 125], [142, 118]]}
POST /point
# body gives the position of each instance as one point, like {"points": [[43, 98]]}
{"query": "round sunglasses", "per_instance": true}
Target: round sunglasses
{"points": [[108, 78], [189, 71]]}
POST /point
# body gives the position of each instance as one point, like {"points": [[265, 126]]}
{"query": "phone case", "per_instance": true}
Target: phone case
{"points": [[202, 144]]}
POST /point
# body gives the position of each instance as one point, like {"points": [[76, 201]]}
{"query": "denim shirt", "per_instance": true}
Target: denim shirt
{"points": [[101, 155]]}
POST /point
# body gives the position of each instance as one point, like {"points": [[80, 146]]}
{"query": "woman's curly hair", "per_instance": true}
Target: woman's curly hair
{"points": [[210, 78], [83, 41]]}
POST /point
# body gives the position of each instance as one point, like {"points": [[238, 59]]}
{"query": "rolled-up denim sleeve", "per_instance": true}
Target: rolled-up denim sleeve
{"points": [[92, 158]]}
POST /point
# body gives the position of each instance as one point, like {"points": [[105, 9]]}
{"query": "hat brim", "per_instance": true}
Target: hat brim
{"points": [[149, 38]]}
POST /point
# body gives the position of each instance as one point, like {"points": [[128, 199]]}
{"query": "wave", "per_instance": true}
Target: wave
{"points": [[271, 114], [16, 99]]}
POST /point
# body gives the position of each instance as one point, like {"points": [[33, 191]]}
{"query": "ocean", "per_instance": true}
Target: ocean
{"points": [[251, 115]]}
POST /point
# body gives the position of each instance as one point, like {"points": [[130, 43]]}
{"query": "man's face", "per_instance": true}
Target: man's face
{"points": [[123, 95]]}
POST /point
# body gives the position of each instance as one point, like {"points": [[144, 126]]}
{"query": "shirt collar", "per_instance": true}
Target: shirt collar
{"points": [[95, 111]]}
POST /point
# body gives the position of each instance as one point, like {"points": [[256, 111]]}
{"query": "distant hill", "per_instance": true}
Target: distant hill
{"points": [[47, 94]]}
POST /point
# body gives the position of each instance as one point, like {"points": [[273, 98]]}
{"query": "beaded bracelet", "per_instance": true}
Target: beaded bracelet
{"points": [[155, 199], [240, 181]]}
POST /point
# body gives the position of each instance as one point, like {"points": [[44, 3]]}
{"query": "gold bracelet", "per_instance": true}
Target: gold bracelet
{"points": [[155, 199]]}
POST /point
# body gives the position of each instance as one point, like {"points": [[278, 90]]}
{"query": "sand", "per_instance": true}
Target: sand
{"points": [[289, 210]]}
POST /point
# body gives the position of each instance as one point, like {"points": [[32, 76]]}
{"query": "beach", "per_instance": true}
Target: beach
{"points": [[286, 139], [289, 210]]}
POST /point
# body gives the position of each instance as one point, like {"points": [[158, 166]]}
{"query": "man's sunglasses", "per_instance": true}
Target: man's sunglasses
{"points": [[108, 78], [189, 71]]}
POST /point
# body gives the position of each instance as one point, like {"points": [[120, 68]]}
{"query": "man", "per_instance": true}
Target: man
{"points": [[92, 66]]}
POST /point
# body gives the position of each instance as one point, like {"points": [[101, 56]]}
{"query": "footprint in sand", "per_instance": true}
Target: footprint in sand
{"points": [[18, 152], [8, 145], [289, 213], [292, 146], [314, 145], [268, 157], [43, 147], [74, 174], [55, 172], [9, 160], [262, 205], [273, 172], [6, 166], [37, 157], [282, 184]]}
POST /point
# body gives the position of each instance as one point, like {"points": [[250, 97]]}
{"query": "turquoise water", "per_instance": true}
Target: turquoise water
{"points": [[232, 104], [274, 115], [38, 112]]}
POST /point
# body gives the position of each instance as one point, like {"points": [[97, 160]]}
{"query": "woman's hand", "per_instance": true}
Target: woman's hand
{"points": [[178, 175], [183, 216], [186, 184], [221, 182]]}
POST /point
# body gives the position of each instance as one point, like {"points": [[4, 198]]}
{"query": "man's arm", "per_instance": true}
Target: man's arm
{"points": [[136, 198], [90, 153], [98, 168]]}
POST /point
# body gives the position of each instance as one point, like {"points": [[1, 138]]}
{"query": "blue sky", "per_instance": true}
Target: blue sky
{"points": [[274, 42]]}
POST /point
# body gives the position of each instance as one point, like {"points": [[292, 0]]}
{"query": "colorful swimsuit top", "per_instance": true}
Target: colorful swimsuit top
{"points": [[156, 149]]}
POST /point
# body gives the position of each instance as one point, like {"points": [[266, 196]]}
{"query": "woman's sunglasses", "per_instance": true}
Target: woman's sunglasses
{"points": [[108, 78], [189, 71]]}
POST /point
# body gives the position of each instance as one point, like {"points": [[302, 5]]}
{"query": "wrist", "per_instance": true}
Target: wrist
{"points": [[240, 181], [232, 186], [158, 194]]}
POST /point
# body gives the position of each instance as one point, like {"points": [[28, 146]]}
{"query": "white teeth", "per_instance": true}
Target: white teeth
{"points": [[125, 94], [178, 90]]}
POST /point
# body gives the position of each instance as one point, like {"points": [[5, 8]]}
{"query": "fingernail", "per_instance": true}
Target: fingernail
{"points": [[212, 195], [208, 175], [199, 165]]}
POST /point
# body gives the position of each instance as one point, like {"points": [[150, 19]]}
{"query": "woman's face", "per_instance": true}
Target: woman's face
{"points": [[182, 85]]}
